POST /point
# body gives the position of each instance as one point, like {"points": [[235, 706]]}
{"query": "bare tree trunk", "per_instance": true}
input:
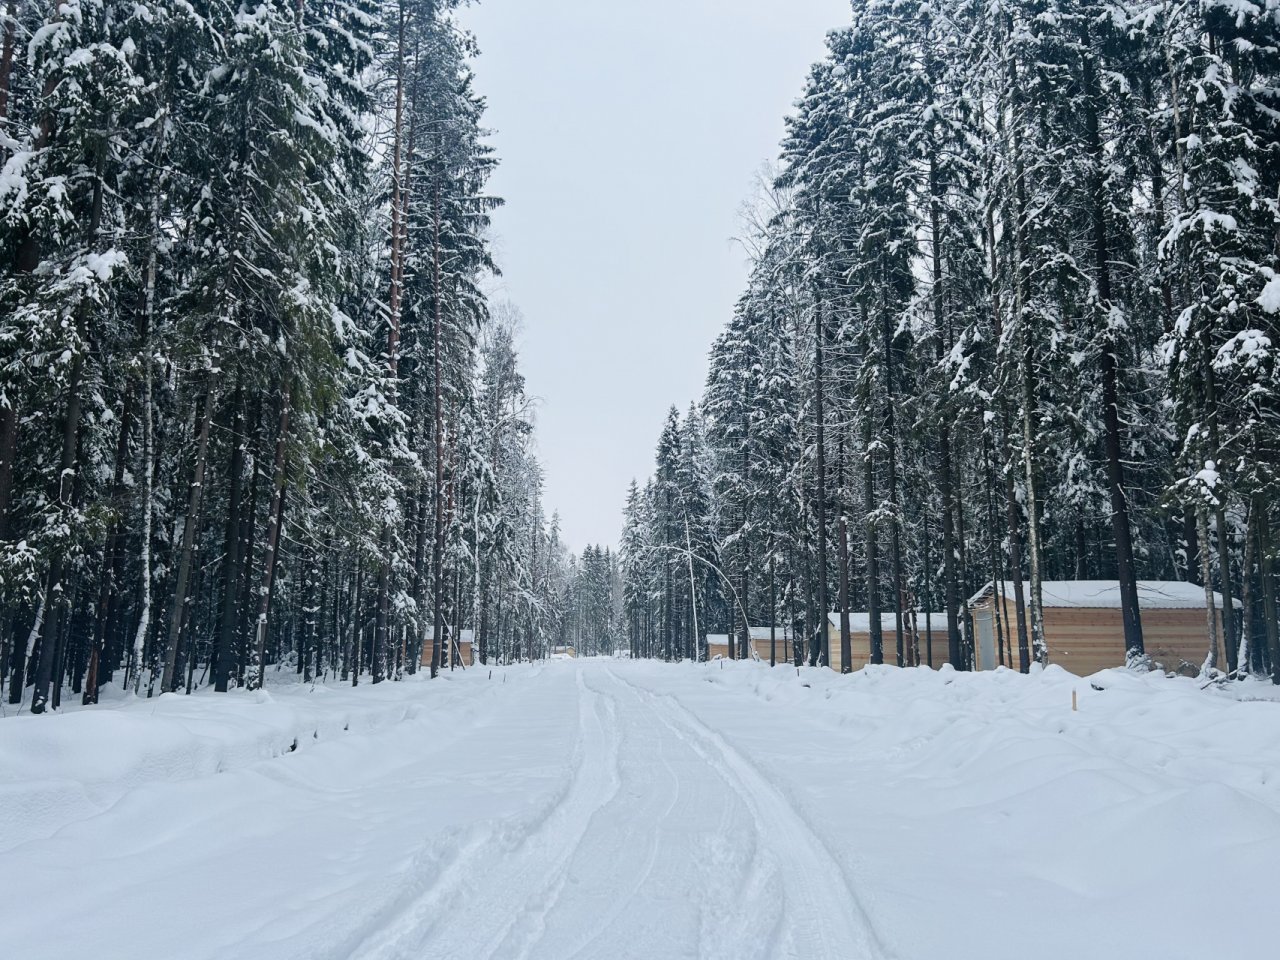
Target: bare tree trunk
{"points": [[846, 646], [744, 587], [1267, 575], [1206, 572], [231, 554], [928, 589], [993, 552], [437, 548], [1246, 594], [349, 659], [895, 535], [398, 198], [55, 590], [110, 557], [273, 534], [148, 511], [874, 626], [6, 62], [190, 525], [820, 416], [1026, 374], [747, 495], [1015, 557], [381, 623], [1121, 528], [8, 449], [421, 522], [773, 608]]}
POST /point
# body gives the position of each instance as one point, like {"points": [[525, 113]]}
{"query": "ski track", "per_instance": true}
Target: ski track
{"points": [[635, 837], [466, 912], [825, 918]]}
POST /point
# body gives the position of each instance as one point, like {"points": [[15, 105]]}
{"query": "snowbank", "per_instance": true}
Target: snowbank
{"points": [[62, 768]]}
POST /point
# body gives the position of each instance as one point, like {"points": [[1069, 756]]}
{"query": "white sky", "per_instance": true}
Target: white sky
{"points": [[629, 134]]}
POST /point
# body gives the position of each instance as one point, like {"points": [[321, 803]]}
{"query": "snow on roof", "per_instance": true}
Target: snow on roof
{"points": [[1105, 594], [462, 636], [860, 620], [757, 633], [762, 633]]}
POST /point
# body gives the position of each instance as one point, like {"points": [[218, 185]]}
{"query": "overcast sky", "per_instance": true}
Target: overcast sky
{"points": [[629, 134]]}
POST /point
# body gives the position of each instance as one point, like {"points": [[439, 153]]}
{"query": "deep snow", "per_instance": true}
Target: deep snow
{"points": [[610, 809]]}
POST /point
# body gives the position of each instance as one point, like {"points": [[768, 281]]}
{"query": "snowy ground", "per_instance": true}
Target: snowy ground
{"points": [[608, 809]]}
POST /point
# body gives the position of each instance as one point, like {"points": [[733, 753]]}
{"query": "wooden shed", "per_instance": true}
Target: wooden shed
{"points": [[463, 643], [718, 643], [1083, 627], [860, 637]]}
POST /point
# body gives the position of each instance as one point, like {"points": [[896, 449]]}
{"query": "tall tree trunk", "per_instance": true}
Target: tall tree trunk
{"points": [[895, 534], [1206, 573], [1025, 368], [1266, 569], [874, 626], [421, 527], [382, 622], [773, 608], [437, 548], [8, 449], [147, 324], [192, 521], [110, 556], [148, 510], [951, 589], [993, 551], [398, 200], [747, 495], [1121, 529], [820, 470], [275, 523], [1246, 594], [64, 497], [225, 657], [846, 646], [1012, 521], [7, 46], [928, 589]]}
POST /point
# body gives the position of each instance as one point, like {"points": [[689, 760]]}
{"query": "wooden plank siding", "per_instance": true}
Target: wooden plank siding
{"points": [[464, 650], [761, 647], [860, 643], [1084, 640]]}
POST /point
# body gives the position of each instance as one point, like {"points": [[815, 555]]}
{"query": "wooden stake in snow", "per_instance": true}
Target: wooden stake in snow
{"points": [[1075, 702]]}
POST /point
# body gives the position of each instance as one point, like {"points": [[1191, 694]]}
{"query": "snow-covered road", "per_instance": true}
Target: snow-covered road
{"points": [[607, 809]]}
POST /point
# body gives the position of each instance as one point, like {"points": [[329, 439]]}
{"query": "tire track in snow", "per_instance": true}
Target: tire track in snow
{"points": [[466, 911], [586, 942], [826, 918]]}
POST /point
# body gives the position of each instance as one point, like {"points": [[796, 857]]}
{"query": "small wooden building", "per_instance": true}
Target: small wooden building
{"points": [[463, 642], [718, 643], [1083, 628], [860, 637]]}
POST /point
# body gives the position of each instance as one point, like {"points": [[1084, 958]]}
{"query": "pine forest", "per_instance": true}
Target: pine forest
{"points": [[682, 480]]}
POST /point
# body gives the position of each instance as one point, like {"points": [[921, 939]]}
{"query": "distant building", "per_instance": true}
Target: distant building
{"points": [[860, 637], [718, 643], [1083, 628], [463, 647]]}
